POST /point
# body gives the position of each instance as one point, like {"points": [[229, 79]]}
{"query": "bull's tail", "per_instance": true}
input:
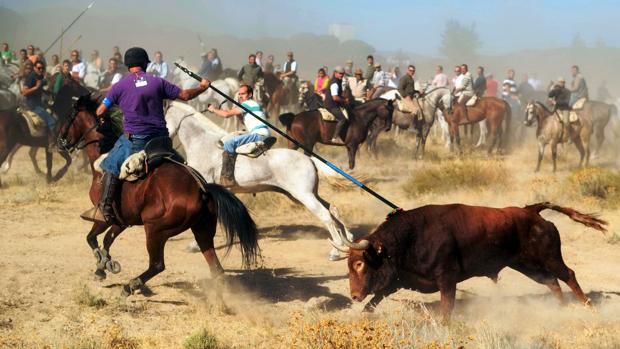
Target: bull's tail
{"points": [[287, 119], [588, 220]]}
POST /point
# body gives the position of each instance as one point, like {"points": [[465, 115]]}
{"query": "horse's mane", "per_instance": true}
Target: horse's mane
{"points": [[541, 104], [198, 116]]}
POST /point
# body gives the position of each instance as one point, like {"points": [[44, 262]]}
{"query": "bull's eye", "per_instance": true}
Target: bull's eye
{"points": [[358, 266]]}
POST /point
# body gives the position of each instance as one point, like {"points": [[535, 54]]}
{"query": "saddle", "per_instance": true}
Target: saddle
{"points": [[326, 115], [36, 124], [579, 104], [156, 152], [472, 101], [252, 149], [572, 116]]}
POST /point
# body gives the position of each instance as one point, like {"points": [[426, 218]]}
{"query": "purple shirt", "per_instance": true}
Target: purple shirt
{"points": [[141, 98]]}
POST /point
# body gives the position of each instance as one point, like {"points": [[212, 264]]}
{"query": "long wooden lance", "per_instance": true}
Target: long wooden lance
{"points": [[70, 25], [308, 151]]}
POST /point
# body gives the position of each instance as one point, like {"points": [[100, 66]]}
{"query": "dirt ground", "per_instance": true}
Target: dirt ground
{"points": [[49, 298]]}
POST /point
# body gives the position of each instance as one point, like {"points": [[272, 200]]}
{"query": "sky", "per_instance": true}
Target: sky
{"points": [[388, 25]]}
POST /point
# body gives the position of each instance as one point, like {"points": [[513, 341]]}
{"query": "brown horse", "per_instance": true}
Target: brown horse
{"points": [[549, 131], [493, 109], [278, 96], [14, 132], [308, 127], [170, 200]]}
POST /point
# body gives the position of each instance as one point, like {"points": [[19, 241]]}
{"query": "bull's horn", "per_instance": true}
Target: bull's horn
{"points": [[362, 245], [338, 247]]}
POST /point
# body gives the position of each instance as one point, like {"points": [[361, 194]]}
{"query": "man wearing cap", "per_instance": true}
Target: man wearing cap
{"points": [[140, 97], [358, 85], [289, 72], [335, 102], [561, 97], [348, 68]]}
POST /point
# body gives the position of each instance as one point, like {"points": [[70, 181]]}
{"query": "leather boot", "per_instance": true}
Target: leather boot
{"points": [[110, 185], [337, 131], [227, 178]]}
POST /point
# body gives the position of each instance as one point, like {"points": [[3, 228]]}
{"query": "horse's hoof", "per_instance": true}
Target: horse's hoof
{"points": [[100, 275], [113, 266], [126, 291]]}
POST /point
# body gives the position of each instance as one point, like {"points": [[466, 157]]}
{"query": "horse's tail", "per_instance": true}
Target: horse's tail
{"points": [[588, 220], [287, 119], [236, 221]]}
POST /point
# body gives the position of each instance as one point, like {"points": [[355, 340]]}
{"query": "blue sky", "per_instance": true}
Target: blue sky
{"points": [[503, 26]]}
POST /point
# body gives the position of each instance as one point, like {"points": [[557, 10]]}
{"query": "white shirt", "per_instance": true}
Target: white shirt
{"points": [[116, 78], [79, 68], [158, 69], [252, 124], [440, 80]]}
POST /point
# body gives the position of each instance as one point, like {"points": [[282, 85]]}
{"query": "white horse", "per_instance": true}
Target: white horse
{"points": [[230, 87], [281, 170]]}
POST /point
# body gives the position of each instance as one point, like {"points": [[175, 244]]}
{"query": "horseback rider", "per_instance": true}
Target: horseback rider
{"points": [[480, 84], [289, 74], [140, 97], [561, 97], [578, 87], [406, 86], [335, 102], [33, 91], [257, 132], [251, 72], [464, 88]]}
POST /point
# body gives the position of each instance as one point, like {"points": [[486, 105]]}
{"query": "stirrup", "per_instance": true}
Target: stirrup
{"points": [[93, 214]]}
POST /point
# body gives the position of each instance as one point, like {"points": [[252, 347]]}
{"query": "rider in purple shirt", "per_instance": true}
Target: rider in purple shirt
{"points": [[140, 97]]}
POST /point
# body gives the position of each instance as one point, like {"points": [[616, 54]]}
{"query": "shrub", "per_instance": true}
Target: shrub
{"points": [[598, 183], [447, 176], [85, 297], [201, 340]]}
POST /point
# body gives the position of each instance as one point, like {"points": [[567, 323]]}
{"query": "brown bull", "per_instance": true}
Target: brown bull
{"points": [[432, 248]]}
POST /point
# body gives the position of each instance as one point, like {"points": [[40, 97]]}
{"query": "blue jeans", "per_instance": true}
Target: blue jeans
{"points": [[42, 112], [232, 144], [123, 148]]}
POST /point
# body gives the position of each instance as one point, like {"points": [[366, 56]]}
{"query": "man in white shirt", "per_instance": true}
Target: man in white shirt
{"points": [[158, 67], [78, 68], [257, 131], [440, 79], [464, 88]]}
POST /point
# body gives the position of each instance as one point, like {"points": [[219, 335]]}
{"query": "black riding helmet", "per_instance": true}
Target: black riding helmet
{"points": [[136, 57]]}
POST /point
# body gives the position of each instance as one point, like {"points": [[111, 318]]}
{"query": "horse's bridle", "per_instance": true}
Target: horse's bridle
{"points": [[64, 145]]}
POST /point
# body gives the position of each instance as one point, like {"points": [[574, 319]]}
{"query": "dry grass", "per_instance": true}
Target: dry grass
{"points": [[86, 298], [201, 340], [461, 174], [600, 184]]}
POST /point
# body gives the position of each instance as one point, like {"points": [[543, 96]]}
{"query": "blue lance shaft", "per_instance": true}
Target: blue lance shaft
{"points": [[308, 151]]}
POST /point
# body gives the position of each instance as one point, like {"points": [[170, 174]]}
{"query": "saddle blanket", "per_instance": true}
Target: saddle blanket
{"points": [[36, 125], [326, 115], [472, 101], [579, 104], [572, 116]]}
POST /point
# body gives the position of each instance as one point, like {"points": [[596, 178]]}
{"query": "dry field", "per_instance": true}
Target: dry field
{"points": [[296, 298]]}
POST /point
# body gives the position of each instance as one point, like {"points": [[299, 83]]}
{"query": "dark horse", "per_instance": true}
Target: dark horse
{"points": [[167, 202], [308, 127], [14, 132]]}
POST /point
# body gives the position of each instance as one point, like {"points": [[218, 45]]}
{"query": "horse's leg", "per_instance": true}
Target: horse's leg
{"points": [[101, 256], [8, 160], [155, 243], [65, 167], [352, 151], [49, 158], [111, 265], [541, 152], [580, 148], [204, 231], [33, 158], [492, 138], [484, 130], [554, 154], [456, 137], [599, 133]]}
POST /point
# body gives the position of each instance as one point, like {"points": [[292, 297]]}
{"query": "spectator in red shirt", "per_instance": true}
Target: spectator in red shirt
{"points": [[491, 87]]}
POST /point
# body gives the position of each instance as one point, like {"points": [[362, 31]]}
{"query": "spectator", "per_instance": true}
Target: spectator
{"points": [[78, 69], [480, 84], [440, 79], [321, 83], [491, 90], [158, 67], [6, 55], [269, 68]]}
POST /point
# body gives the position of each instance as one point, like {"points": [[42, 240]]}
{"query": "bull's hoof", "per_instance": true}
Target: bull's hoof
{"points": [[100, 275], [369, 308], [113, 266]]}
